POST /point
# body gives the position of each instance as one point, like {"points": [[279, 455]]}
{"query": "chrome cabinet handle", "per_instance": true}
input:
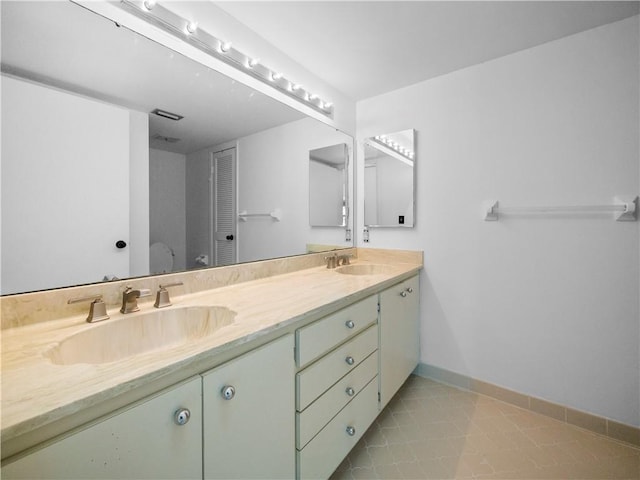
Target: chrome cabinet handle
{"points": [[228, 392], [181, 416], [403, 293], [349, 360], [350, 391], [350, 324], [351, 431], [410, 290]]}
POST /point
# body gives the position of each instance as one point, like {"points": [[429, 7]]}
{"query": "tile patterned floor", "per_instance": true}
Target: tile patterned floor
{"points": [[430, 430]]}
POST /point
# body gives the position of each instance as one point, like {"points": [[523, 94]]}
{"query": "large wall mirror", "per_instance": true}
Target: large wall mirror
{"points": [[389, 185], [96, 187]]}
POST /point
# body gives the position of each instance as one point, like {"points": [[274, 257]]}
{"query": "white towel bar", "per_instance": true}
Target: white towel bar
{"points": [[275, 214], [626, 210]]}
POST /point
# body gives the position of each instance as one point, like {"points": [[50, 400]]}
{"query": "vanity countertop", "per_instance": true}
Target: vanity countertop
{"points": [[38, 394]]}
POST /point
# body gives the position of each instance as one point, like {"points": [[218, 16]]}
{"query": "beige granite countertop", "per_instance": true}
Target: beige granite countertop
{"points": [[39, 398]]}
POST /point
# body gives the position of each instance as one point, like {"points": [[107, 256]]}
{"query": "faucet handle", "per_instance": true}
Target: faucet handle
{"points": [[345, 258], [97, 309], [162, 296]]}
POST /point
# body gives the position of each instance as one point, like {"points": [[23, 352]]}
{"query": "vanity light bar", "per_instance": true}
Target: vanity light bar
{"points": [[190, 32], [396, 147]]}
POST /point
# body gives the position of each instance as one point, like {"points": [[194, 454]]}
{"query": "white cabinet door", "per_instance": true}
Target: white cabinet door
{"points": [[399, 336], [249, 415], [142, 442]]}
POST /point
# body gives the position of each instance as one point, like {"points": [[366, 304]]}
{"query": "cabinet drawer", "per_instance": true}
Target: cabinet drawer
{"points": [[320, 412], [316, 379], [323, 335], [325, 452]]}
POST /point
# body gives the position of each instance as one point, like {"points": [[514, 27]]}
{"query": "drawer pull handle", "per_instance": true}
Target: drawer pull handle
{"points": [[350, 391], [350, 324], [349, 360], [410, 290], [228, 392], [403, 293], [181, 416], [351, 431]]}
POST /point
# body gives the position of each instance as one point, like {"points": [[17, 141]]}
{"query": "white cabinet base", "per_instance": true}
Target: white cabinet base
{"points": [[143, 442]]}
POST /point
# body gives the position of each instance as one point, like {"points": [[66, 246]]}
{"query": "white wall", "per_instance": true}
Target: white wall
{"points": [[544, 306], [273, 172], [199, 207], [139, 194], [167, 203]]}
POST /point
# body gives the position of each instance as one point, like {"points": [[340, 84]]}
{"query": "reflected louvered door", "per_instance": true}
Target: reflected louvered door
{"points": [[224, 167]]}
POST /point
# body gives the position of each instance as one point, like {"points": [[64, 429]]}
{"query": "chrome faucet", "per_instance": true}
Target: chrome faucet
{"points": [[343, 259], [130, 299], [332, 261]]}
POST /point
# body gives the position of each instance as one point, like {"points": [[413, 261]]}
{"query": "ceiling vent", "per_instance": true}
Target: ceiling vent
{"points": [[169, 115], [162, 138]]}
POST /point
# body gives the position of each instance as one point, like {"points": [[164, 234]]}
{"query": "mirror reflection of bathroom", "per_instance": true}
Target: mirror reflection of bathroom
{"points": [[181, 151], [389, 196], [328, 182]]}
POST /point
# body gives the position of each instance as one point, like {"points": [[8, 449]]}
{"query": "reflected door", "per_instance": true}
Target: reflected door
{"points": [[63, 211], [224, 221]]}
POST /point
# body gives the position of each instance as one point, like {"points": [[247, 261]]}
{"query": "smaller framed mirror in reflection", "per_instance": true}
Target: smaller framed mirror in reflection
{"points": [[389, 186], [328, 186]]}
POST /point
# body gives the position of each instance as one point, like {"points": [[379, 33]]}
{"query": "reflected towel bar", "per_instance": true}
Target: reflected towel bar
{"points": [[275, 214], [625, 210]]}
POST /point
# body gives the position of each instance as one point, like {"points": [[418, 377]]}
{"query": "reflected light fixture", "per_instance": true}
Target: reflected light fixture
{"points": [[396, 147], [192, 27], [188, 31]]}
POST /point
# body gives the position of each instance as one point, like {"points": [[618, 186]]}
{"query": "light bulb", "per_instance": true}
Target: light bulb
{"points": [[225, 47], [192, 27], [295, 87], [276, 76], [149, 4], [327, 105], [253, 62]]}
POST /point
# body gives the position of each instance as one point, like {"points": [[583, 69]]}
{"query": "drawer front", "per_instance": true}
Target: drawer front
{"points": [[316, 379], [320, 412], [323, 335], [325, 452]]}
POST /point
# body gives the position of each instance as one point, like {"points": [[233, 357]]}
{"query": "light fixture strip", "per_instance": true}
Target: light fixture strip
{"points": [[406, 153], [178, 26]]}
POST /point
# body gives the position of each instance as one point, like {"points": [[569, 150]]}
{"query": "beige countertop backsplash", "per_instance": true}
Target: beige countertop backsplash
{"points": [[41, 399]]}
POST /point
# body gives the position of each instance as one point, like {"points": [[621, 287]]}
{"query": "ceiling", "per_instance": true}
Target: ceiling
{"points": [[366, 48]]}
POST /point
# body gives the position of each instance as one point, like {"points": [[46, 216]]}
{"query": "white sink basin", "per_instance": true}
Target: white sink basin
{"points": [[364, 269], [121, 338]]}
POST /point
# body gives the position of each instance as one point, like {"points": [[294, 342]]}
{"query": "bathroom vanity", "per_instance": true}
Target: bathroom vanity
{"points": [[291, 382]]}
